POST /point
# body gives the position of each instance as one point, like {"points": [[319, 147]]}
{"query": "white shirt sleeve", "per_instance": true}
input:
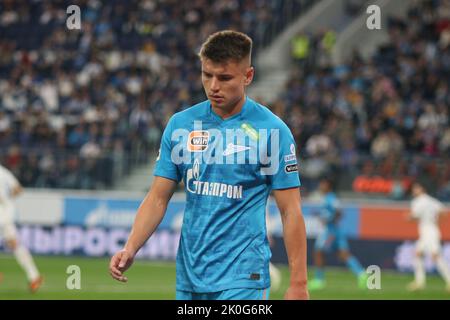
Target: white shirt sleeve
{"points": [[439, 206], [7, 182], [415, 211]]}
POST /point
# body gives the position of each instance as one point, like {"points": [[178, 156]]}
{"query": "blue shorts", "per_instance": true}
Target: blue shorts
{"points": [[230, 294], [331, 239]]}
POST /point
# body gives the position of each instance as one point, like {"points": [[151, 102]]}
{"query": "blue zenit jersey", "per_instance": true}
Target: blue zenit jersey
{"points": [[228, 168], [330, 207]]}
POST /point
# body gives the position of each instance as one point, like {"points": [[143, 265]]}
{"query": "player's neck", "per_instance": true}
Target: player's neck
{"points": [[231, 111]]}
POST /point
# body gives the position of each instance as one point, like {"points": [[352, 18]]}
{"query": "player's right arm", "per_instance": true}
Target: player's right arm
{"points": [[442, 213], [148, 217], [413, 213]]}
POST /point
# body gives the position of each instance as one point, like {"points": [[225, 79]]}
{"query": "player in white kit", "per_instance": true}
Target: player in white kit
{"points": [[9, 189], [428, 211]]}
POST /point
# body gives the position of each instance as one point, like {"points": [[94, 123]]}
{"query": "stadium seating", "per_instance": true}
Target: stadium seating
{"points": [[386, 117], [80, 108]]}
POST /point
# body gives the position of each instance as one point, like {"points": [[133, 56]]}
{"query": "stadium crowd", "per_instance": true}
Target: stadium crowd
{"points": [[79, 108], [388, 116]]}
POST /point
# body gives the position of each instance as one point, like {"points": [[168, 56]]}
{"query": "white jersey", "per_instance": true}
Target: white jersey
{"points": [[427, 209], [7, 183]]}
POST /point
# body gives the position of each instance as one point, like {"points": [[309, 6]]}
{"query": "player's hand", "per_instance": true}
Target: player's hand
{"points": [[297, 292], [120, 262]]}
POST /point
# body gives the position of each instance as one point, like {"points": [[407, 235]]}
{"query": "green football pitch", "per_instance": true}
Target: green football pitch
{"points": [[156, 280]]}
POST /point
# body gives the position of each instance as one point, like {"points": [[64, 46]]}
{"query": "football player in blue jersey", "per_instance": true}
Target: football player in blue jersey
{"points": [[333, 238], [231, 153]]}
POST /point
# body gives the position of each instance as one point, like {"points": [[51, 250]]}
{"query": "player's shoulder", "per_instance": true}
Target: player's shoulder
{"points": [[7, 176], [331, 197], [423, 200], [428, 199], [434, 201], [262, 113], [189, 114], [4, 171]]}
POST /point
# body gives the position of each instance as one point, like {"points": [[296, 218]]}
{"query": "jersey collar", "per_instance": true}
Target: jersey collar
{"points": [[238, 115]]}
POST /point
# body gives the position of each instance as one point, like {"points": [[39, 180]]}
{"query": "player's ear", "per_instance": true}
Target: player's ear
{"points": [[249, 73]]}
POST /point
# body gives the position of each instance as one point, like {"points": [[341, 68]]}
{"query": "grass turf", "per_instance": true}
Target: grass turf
{"points": [[156, 280]]}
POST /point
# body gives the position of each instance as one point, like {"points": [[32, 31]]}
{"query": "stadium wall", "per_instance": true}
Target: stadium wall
{"points": [[97, 224]]}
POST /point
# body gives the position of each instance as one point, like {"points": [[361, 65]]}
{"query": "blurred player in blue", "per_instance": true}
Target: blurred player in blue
{"points": [[332, 239], [231, 153]]}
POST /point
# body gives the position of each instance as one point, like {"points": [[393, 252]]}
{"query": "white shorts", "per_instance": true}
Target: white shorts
{"points": [[7, 226], [429, 244]]}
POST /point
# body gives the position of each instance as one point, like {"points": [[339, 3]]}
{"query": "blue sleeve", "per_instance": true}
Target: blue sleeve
{"points": [[336, 204], [287, 174], [164, 164], [326, 215], [331, 205]]}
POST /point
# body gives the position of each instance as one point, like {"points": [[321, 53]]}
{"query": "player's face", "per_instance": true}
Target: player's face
{"points": [[224, 83], [416, 190], [324, 187]]}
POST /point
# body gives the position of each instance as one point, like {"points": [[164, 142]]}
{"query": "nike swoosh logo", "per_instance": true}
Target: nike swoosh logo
{"points": [[234, 148]]}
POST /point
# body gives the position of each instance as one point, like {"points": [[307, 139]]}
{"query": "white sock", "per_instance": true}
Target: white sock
{"points": [[25, 260], [419, 271], [443, 269]]}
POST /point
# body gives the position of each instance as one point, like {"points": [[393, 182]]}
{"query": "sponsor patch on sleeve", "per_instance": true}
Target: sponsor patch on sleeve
{"points": [[290, 157], [198, 141], [291, 168]]}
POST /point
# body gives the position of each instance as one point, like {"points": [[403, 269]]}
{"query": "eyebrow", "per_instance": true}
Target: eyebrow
{"points": [[218, 75]]}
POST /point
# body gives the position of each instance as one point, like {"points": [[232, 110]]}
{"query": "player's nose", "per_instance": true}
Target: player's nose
{"points": [[214, 85]]}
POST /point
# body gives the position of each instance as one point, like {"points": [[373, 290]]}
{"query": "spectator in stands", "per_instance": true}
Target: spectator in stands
{"points": [[111, 86]]}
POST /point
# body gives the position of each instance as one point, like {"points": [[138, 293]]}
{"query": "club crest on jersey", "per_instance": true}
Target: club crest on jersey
{"points": [[198, 141]]}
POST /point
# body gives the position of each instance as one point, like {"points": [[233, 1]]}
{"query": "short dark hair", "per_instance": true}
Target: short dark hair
{"points": [[227, 45], [421, 183]]}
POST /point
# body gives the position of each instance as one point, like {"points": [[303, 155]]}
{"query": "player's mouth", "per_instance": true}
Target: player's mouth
{"points": [[217, 99]]}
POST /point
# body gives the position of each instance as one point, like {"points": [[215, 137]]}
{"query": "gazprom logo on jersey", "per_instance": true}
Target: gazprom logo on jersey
{"points": [[229, 146], [215, 189]]}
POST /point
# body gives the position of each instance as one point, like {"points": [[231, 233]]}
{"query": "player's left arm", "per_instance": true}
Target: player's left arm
{"points": [[443, 213], [294, 232]]}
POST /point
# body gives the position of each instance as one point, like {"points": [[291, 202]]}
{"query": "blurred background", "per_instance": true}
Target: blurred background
{"points": [[82, 113]]}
